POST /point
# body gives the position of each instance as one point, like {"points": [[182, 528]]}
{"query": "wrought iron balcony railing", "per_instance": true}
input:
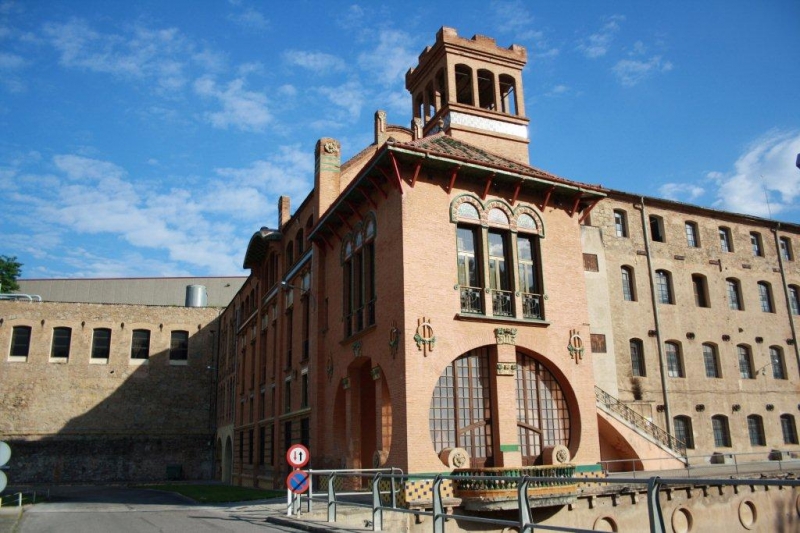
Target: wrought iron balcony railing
{"points": [[471, 300], [502, 303], [532, 306]]}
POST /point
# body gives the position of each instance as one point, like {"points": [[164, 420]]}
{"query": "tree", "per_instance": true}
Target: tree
{"points": [[9, 272]]}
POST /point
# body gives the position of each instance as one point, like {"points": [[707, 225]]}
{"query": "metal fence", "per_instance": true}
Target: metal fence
{"points": [[382, 500]]}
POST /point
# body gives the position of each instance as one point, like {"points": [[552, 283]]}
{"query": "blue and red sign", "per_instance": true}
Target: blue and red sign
{"points": [[297, 481]]}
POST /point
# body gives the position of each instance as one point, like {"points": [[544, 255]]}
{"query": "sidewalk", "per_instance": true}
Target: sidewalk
{"points": [[9, 516]]}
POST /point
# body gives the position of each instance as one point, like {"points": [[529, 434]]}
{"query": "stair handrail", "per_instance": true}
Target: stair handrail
{"points": [[638, 421]]}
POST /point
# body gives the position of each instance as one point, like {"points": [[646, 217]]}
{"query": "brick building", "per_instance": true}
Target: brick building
{"points": [[437, 292], [108, 391]]}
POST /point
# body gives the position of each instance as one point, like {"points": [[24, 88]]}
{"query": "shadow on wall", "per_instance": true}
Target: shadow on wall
{"points": [[138, 421]]}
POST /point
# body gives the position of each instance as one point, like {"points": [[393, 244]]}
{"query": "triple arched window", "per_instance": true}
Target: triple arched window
{"points": [[358, 273]]}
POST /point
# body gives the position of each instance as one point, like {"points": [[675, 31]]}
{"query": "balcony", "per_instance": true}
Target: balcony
{"points": [[502, 303], [491, 489], [532, 306], [471, 300]]}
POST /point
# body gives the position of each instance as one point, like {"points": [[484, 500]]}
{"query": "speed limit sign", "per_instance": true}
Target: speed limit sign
{"points": [[297, 456]]}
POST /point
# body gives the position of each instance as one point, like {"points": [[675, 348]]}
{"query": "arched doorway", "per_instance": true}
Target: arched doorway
{"points": [[227, 461], [369, 424]]}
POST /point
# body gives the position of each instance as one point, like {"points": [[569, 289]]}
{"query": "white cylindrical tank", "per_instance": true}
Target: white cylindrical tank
{"points": [[196, 296]]}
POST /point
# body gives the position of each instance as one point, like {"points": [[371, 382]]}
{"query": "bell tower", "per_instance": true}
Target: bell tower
{"points": [[472, 90]]}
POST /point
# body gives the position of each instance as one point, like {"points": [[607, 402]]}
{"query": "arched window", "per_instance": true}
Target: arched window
{"points": [[674, 360], [711, 360], [289, 254], [486, 98], [20, 341], [62, 338], [542, 411], [777, 362], [789, 429], [628, 284], [464, 85], [299, 239], [683, 430], [734, 294], [745, 362], [620, 223], [721, 430], [765, 297], [358, 265], [664, 287], [638, 368], [755, 428], [508, 94], [460, 411], [794, 299]]}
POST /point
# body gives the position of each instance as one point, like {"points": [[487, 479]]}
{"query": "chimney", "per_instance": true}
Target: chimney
{"points": [[283, 211], [327, 170], [380, 127]]}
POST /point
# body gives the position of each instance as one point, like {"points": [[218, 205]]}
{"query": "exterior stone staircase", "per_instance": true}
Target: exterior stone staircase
{"points": [[642, 426]]}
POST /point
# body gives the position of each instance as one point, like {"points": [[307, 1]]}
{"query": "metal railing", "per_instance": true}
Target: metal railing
{"points": [[532, 305], [502, 303], [471, 300], [622, 411], [717, 464], [436, 510]]}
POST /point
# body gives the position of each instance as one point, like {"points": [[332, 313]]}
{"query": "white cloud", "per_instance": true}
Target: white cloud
{"points": [[389, 58], [766, 169], [242, 109], [683, 192], [629, 72], [250, 19], [318, 62], [558, 90], [10, 61], [139, 52], [349, 96], [597, 44]]}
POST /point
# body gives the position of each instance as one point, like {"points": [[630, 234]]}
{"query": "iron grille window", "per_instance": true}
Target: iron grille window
{"points": [[542, 411], [61, 343], [711, 361], [101, 343], [140, 344], [722, 434], [460, 411], [20, 341]]}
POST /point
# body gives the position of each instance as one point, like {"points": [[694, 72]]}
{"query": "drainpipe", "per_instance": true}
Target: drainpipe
{"points": [[654, 301], [786, 292]]}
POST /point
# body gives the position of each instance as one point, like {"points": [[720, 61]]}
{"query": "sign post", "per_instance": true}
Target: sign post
{"points": [[298, 481]]}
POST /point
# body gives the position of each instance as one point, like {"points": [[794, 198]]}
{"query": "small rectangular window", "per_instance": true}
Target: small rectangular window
{"points": [[590, 263], [786, 248], [725, 242], [756, 244], [179, 346], [20, 341], [62, 338], [657, 228], [620, 223], [140, 344], [598, 343], [101, 343], [692, 238]]}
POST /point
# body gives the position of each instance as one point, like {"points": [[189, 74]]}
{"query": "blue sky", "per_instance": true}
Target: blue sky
{"points": [[153, 138]]}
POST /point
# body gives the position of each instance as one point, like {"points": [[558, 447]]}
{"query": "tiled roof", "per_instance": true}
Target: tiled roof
{"points": [[447, 146]]}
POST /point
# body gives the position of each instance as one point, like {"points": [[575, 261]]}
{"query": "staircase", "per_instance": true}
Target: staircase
{"points": [[640, 424]]}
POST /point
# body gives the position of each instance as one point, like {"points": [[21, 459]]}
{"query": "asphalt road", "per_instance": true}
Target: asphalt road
{"points": [[124, 510]]}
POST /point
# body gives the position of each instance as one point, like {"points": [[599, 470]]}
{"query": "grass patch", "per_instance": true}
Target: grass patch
{"points": [[216, 493]]}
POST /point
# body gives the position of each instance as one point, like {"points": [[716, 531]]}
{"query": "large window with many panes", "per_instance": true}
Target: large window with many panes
{"points": [[358, 264], [498, 258]]}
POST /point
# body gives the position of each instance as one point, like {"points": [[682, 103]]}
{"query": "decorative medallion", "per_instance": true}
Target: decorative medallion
{"points": [[357, 349], [424, 336], [345, 383], [575, 345], [506, 369], [506, 335], [394, 339], [375, 372], [329, 368], [331, 147]]}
